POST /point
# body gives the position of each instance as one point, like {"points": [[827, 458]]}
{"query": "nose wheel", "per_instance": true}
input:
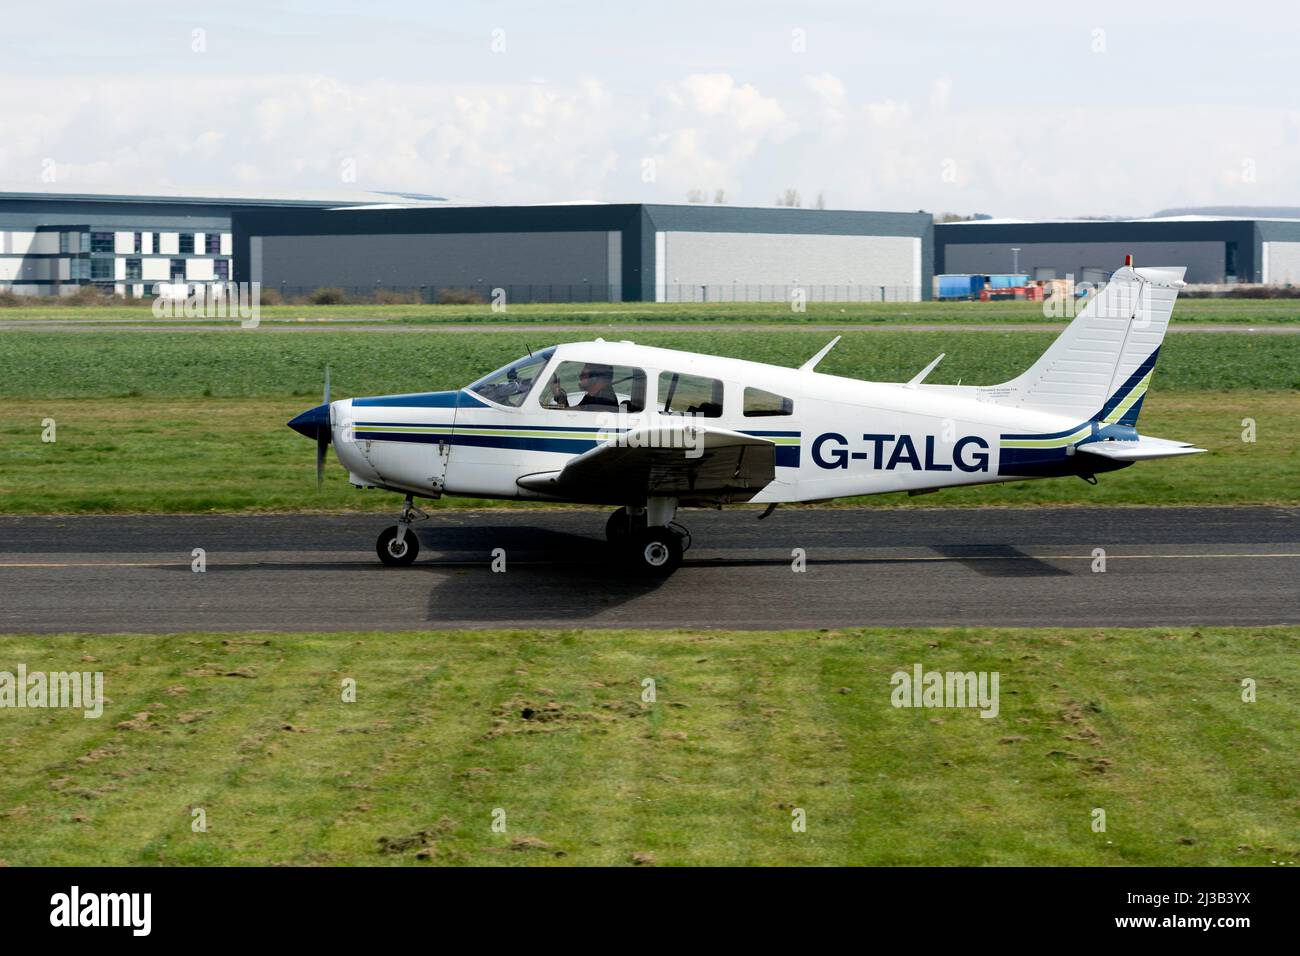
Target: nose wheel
{"points": [[398, 546]]}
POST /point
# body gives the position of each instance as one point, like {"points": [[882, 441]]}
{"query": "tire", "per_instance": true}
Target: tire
{"points": [[619, 528], [656, 552], [384, 547]]}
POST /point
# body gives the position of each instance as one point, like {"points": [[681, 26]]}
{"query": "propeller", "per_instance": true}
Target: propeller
{"points": [[323, 434], [316, 423]]}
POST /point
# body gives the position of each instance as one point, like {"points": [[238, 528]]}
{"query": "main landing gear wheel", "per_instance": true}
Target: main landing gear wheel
{"points": [[621, 526], [394, 553], [656, 552]]}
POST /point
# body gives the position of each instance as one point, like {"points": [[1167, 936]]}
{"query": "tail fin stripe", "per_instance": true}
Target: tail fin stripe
{"points": [[1132, 390]]}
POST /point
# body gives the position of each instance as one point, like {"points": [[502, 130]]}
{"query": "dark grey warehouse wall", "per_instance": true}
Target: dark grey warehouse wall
{"points": [[1204, 260], [115, 216], [469, 260], [950, 238], [636, 224]]}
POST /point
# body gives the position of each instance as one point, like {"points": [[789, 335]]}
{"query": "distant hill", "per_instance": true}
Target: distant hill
{"points": [[1243, 212]]}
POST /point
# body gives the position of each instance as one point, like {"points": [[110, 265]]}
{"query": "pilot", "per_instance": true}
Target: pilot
{"points": [[598, 383]]}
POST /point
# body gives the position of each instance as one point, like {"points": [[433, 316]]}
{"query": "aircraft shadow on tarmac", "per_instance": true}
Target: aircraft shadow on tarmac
{"points": [[1000, 561], [552, 574]]}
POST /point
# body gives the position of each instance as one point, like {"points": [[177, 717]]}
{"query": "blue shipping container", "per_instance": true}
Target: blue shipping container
{"points": [[1008, 282], [960, 286]]}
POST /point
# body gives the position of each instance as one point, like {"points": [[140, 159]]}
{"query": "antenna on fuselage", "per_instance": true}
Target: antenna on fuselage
{"points": [[811, 364]]}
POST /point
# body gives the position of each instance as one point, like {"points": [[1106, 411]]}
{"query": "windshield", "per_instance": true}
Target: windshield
{"points": [[511, 385]]}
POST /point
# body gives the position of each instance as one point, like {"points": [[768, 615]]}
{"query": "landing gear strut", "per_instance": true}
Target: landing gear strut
{"points": [[622, 524], [398, 546], [649, 537]]}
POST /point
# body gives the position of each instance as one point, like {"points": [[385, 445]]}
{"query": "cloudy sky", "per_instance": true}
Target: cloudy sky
{"points": [[1015, 109]]}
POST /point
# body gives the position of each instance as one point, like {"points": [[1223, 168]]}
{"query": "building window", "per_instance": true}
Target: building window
{"points": [[177, 270], [1230, 261], [138, 244], [85, 241], [133, 267], [101, 268], [65, 241], [101, 242], [222, 269], [187, 243], [212, 243], [157, 243]]}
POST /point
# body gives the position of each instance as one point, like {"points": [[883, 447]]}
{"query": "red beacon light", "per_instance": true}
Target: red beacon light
{"points": [[1128, 260]]}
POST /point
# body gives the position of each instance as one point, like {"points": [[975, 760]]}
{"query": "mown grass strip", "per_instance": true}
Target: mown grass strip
{"points": [[554, 730]]}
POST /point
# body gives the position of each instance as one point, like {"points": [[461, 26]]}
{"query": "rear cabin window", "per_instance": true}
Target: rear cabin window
{"points": [[681, 394], [595, 387], [761, 404]]}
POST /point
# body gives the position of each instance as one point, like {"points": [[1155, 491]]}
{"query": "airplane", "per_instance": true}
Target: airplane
{"points": [[651, 430]]}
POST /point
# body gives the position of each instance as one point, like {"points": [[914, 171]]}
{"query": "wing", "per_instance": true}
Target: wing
{"points": [[690, 462]]}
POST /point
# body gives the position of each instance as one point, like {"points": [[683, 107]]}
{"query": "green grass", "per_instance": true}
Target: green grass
{"points": [[1231, 311], [1147, 725], [195, 421], [194, 455], [265, 362]]}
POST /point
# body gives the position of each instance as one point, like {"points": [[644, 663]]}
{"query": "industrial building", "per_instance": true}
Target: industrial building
{"points": [[591, 252], [55, 242], [1217, 250]]}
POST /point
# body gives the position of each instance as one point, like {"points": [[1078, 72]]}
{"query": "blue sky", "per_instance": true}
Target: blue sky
{"points": [[1031, 110]]}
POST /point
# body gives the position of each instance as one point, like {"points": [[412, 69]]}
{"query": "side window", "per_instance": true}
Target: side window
{"points": [[682, 394], [595, 387], [761, 404]]}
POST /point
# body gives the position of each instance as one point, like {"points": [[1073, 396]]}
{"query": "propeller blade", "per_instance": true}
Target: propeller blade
{"points": [[322, 446], [323, 435]]}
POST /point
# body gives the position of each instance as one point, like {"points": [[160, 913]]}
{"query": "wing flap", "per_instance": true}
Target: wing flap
{"points": [[680, 461]]}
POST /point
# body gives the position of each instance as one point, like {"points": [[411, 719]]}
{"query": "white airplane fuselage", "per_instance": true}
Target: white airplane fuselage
{"points": [[842, 437]]}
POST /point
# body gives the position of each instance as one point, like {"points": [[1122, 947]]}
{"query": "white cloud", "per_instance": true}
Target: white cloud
{"points": [[523, 141]]}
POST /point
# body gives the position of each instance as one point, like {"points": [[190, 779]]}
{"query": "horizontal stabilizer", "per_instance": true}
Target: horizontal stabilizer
{"points": [[1140, 450]]}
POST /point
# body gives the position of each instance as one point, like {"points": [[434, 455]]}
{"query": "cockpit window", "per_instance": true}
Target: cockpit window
{"points": [[511, 385]]}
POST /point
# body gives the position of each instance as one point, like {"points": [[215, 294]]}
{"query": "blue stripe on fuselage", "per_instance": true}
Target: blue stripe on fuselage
{"points": [[461, 399]]}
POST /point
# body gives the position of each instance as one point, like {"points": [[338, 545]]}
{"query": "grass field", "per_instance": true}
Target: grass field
{"points": [[1232, 311], [193, 455], [195, 422], [265, 362], [552, 729]]}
